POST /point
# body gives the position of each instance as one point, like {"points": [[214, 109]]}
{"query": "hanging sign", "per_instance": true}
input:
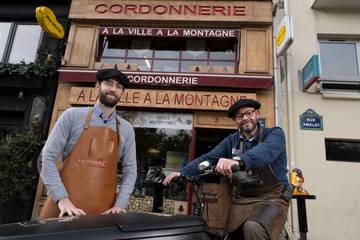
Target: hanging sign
{"points": [[284, 36], [310, 72]]}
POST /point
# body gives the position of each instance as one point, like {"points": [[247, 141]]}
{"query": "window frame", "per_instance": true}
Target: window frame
{"points": [[342, 41], [329, 149], [11, 38], [234, 62]]}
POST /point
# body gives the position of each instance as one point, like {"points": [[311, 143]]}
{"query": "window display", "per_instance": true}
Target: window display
{"points": [[162, 142]]}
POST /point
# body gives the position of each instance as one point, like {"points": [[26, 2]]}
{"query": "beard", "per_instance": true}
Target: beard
{"points": [[104, 99], [249, 126]]}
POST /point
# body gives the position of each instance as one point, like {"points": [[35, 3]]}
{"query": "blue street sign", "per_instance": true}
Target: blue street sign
{"points": [[310, 120], [310, 72]]}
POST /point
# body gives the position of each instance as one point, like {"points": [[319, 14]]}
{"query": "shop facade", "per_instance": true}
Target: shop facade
{"points": [[189, 61]]}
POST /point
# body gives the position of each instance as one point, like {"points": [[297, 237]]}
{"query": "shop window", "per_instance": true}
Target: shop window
{"points": [[339, 58], [344, 150], [19, 42], [4, 34], [162, 141], [166, 54]]}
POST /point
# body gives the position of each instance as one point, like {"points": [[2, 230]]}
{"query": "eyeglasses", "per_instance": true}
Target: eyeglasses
{"points": [[248, 114], [110, 84]]}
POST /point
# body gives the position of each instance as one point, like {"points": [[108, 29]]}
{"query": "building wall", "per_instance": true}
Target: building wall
{"points": [[335, 212]]}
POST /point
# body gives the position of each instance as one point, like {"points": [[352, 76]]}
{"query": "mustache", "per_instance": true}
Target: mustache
{"points": [[246, 121], [111, 94]]}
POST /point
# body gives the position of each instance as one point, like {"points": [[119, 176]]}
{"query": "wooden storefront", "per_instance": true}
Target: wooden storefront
{"points": [[203, 88]]}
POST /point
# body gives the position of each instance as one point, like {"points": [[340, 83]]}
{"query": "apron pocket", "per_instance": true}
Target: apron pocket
{"points": [[100, 148]]}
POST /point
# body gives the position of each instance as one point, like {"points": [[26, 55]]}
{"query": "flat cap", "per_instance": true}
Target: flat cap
{"points": [[242, 103], [108, 73]]}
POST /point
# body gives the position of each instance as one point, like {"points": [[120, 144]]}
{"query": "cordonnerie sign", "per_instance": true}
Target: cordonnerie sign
{"points": [[171, 9]]}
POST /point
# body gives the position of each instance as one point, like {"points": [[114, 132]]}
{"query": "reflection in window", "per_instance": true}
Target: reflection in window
{"points": [[140, 53], [112, 60], [195, 49], [222, 49], [339, 58], [4, 34], [166, 54], [166, 66], [181, 53], [25, 45], [140, 48], [113, 52], [162, 141], [192, 66], [345, 150], [226, 55], [143, 64], [167, 49]]}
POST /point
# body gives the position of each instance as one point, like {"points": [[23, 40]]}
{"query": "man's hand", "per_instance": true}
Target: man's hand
{"points": [[67, 207], [114, 210], [224, 166], [170, 177]]}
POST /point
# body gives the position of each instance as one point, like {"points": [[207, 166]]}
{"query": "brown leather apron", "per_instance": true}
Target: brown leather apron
{"points": [[261, 200], [89, 173]]}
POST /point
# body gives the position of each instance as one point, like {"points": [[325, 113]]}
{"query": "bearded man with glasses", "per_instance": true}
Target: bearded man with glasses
{"points": [[90, 141], [261, 192]]}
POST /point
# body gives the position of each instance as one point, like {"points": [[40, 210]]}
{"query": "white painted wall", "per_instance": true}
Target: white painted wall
{"points": [[335, 214]]}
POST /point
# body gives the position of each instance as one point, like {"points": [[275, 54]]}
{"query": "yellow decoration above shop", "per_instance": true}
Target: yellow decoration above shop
{"points": [[48, 22]]}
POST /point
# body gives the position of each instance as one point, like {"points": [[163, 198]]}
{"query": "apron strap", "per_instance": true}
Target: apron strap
{"points": [[261, 135], [241, 145], [260, 139], [88, 118], [117, 129]]}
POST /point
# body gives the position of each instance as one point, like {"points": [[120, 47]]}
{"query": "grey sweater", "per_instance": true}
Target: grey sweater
{"points": [[62, 140]]}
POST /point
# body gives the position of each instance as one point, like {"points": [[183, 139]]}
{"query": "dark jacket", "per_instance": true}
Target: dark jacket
{"points": [[271, 151]]}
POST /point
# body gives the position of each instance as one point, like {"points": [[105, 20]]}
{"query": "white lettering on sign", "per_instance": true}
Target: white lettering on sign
{"points": [[310, 124], [174, 80], [213, 33]]}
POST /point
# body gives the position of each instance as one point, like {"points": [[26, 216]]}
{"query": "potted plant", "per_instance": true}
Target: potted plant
{"points": [[18, 174]]}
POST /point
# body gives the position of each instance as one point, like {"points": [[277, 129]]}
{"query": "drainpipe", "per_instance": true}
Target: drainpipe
{"points": [[289, 225], [277, 81], [290, 112]]}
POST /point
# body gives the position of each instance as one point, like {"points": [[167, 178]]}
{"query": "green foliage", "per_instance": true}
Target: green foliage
{"points": [[46, 65], [17, 175]]}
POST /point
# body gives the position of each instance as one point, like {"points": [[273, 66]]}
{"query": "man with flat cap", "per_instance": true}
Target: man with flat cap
{"points": [[260, 190], [90, 141]]}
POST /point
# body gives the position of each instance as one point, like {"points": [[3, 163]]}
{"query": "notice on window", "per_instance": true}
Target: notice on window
{"points": [[160, 120]]}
